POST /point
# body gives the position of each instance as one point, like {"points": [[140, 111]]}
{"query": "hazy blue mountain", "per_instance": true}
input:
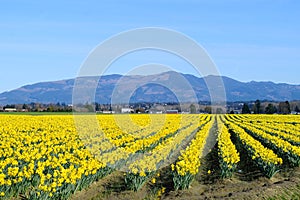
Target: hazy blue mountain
{"points": [[164, 87]]}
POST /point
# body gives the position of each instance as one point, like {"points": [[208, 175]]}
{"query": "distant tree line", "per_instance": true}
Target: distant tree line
{"points": [[255, 107], [270, 108], [39, 107]]}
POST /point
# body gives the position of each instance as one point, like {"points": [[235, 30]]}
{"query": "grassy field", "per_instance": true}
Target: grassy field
{"points": [[51, 156]]}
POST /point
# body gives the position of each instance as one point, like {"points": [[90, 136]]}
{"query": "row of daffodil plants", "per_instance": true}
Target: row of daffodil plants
{"points": [[227, 152], [114, 146], [264, 158], [284, 119], [286, 123], [128, 152], [142, 169], [188, 163], [280, 125], [125, 154], [273, 129], [290, 153], [45, 157], [113, 131]]}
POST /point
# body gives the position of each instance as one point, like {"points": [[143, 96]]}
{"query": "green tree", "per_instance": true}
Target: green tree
{"points": [[270, 109], [284, 107], [297, 109], [140, 110], [219, 111], [288, 107], [97, 107], [192, 109], [89, 107], [245, 109], [257, 107], [208, 109]]}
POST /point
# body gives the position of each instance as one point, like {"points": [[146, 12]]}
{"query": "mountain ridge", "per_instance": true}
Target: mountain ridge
{"points": [[158, 90]]}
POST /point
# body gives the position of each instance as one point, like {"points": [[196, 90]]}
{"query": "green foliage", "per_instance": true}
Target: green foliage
{"points": [[226, 170], [219, 111], [245, 109], [208, 109], [257, 107], [270, 109], [284, 107], [297, 109], [193, 109], [135, 181], [182, 182], [267, 168]]}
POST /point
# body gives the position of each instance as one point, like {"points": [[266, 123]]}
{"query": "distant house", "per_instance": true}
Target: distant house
{"points": [[185, 112], [237, 111], [155, 111], [10, 110], [172, 111], [127, 110], [107, 112]]}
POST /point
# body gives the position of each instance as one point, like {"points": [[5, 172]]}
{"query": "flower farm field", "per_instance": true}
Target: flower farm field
{"points": [[149, 156]]}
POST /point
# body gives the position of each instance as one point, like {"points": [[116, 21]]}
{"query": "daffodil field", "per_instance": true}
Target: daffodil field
{"points": [[54, 156]]}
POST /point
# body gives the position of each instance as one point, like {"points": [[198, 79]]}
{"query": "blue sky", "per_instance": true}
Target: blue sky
{"points": [[248, 40]]}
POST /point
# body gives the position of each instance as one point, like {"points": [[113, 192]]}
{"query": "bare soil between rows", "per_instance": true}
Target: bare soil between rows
{"points": [[243, 185], [247, 183]]}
